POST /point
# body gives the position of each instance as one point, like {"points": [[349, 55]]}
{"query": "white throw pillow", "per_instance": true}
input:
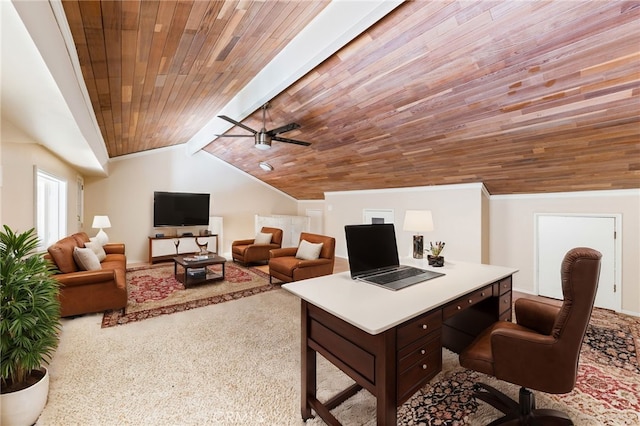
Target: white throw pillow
{"points": [[86, 259], [262, 238], [97, 249], [308, 251]]}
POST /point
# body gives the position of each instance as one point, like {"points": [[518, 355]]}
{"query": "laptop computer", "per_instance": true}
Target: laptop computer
{"points": [[373, 258]]}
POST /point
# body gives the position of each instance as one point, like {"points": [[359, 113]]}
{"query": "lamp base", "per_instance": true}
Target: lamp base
{"points": [[102, 237], [418, 246]]}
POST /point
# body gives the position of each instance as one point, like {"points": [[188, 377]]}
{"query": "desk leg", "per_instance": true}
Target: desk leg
{"points": [[308, 367], [386, 387]]}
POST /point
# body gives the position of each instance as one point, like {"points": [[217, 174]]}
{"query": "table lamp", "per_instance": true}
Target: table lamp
{"points": [[418, 221], [101, 222]]}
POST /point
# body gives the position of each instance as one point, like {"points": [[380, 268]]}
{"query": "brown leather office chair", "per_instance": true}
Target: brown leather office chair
{"points": [[541, 351], [247, 251], [286, 267]]}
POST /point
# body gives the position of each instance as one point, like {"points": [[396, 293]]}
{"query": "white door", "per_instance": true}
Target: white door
{"points": [[557, 234]]}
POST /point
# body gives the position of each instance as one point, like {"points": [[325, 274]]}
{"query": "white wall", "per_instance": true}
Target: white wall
{"points": [[456, 209], [513, 233], [126, 196], [460, 211], [19, 156]]}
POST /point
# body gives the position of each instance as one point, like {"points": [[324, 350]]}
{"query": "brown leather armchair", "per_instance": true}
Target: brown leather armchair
{"points": [[541, 351], [246, 251], [286, 267]]}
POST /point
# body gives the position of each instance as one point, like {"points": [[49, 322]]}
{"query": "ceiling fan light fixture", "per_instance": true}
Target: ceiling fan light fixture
{"points": [[266, 166], [263, 141], [262, 145]]}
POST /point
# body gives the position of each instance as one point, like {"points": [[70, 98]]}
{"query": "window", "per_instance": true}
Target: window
{"points": [[51, 208]]}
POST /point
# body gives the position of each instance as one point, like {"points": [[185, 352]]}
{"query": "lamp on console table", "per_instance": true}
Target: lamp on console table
{"points": [[418, 221], [101, 222]]}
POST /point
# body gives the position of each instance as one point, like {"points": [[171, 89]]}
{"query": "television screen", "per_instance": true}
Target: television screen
{"points": [[180, 209]]}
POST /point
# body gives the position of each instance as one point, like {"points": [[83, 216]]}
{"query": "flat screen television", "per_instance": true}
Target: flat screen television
{"points": [[180, 209]]}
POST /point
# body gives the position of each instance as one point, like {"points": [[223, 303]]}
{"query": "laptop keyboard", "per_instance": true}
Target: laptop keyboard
{"points": [[394, 276]]}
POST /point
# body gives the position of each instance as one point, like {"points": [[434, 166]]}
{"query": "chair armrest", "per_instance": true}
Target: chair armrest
{"points": [[114, 248], [86, 277], [536, 315], [242, 242], [286, 251]]}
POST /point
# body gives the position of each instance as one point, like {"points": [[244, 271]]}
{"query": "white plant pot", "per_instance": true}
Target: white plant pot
{"points": [[23, 407]]}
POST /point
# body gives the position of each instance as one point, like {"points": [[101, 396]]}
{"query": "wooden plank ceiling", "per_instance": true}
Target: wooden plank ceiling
{"points": [[525, 96]]}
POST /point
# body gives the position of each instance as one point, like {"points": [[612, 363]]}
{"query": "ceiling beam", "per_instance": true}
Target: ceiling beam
{"points": [[46, 42], [339, 23]]}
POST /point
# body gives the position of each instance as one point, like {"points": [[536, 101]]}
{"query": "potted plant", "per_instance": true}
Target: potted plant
{"points": [[29, 326], [434, 258]]}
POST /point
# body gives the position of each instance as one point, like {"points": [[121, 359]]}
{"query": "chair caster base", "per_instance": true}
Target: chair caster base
{"points": [[523, 412]]}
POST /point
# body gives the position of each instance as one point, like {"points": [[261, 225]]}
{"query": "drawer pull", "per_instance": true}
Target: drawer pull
{"points": [[470, 301], [424, 366], [424, 326], [422, 352], [482, 294]]}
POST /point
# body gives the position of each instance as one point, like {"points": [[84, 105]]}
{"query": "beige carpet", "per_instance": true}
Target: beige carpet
{"points": [[234, 363]]}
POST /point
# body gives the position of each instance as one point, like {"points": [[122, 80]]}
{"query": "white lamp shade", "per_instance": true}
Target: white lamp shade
{"points": [[418, 221], [101, 222]]}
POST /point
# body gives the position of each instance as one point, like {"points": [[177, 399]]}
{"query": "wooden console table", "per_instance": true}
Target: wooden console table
{"points": [[163, 249], [390, 342]]}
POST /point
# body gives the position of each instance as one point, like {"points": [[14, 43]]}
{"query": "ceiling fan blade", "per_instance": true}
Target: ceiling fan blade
{"points": [[283, 129], [287, 140], [234, 136], [231, 120]]}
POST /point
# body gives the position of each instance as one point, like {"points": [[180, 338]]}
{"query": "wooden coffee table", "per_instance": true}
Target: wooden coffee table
{"points": [[195, 268]]}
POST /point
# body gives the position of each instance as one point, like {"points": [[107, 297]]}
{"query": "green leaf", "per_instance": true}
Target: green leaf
{"points": [[29, 309]]}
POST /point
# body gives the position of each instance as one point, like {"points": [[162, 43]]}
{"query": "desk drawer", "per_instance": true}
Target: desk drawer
{"points": [[505, 316], [505, 302], [418, 350], [502, 286], [465, 302], [418, 327], [418, 374], [344, 349]]}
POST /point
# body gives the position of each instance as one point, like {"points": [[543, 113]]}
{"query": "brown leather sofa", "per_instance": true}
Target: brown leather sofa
{"points": [[286, 267], [540, 351], [246, 251], [82, 291]]}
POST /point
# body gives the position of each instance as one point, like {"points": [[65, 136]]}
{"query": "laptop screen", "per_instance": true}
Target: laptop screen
{"points": [[371, 248]]}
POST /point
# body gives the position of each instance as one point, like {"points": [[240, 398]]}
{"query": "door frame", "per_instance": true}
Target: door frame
{"points": [[617, 217]]}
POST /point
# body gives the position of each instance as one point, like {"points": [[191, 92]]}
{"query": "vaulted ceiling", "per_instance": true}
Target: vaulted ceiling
{"points": [[525, 96]]}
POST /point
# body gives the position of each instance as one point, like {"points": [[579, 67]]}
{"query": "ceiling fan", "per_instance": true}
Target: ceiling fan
{"points": [[264, 137]]}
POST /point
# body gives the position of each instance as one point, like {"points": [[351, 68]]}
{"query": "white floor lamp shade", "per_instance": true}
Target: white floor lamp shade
{"points": [[101, 222]]}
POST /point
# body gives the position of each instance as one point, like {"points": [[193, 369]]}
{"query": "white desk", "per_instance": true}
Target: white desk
{"points": [[390, 342]]}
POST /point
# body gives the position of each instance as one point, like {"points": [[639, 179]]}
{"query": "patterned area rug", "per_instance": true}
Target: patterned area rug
{"points": [[153, 291], [607, 391]]}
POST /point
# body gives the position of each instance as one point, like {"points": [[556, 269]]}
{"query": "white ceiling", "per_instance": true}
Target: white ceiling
{"points": [[33, 107]]}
